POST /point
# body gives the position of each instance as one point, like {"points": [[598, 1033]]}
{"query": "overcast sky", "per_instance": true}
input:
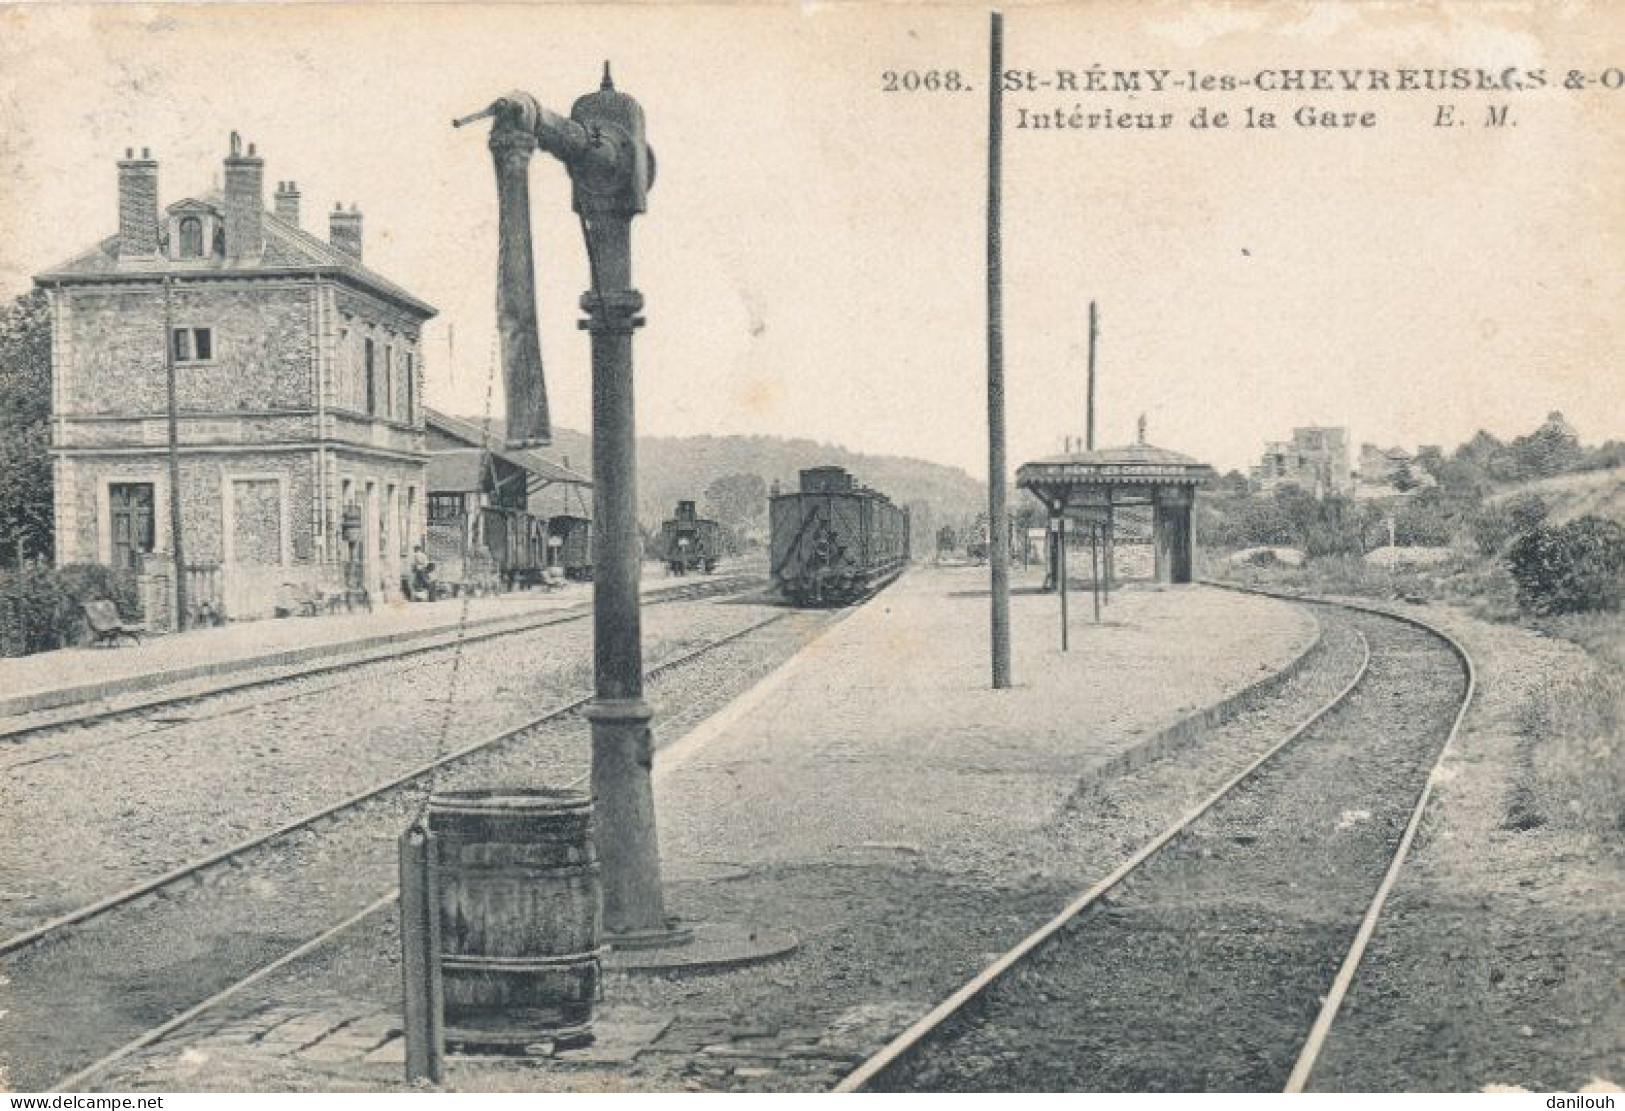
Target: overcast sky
{"points": [[812, 255]]}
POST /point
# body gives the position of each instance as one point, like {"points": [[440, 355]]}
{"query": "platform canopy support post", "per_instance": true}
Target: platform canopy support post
{"points": [[1061, 573], [1094, 568]]}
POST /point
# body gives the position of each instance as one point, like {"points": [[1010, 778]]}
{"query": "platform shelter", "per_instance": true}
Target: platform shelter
{"points": [[1086, 488]]}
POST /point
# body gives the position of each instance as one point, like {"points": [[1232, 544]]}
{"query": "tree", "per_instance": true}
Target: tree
{"points": [[25, 427], [1551, 449], [1431, 459], [737, 500]]}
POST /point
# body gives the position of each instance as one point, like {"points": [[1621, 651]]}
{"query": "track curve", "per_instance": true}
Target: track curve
{"points": [[1217, 956]]}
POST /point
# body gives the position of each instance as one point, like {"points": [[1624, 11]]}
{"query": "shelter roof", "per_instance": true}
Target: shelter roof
{"points": [[1111, 475]]}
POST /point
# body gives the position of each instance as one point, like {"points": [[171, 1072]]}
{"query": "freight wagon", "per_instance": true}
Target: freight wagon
{"points": [[569, 544], [835, 542]]}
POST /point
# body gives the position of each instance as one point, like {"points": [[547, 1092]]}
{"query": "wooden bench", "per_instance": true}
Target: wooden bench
{"points": [[105, 625]]}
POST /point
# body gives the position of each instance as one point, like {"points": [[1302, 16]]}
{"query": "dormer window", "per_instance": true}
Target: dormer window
{"points": [[191, 237]]}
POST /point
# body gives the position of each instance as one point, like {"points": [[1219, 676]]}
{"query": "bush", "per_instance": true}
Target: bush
{"points": [[1574, 568], [39, 604], [1494, 526]]}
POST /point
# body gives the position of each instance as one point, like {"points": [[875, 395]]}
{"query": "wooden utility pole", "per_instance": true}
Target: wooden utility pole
{"points": [[172, 403], [1103, 576], [998, 534]]}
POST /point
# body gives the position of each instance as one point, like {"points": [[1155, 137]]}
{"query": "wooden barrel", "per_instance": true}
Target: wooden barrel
{"points": [[521, 911]]}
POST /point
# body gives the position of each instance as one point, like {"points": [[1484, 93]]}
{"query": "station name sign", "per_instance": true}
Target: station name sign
{"points": [[1108, 472]]}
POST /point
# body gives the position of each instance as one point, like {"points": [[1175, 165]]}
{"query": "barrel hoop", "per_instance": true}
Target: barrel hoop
{"points": [[465, 963], [521, 871]]}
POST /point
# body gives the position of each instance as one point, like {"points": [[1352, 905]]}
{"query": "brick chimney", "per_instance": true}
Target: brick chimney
{"points": [[245, 202], [344, 230], [287, 201], [137, 205]]}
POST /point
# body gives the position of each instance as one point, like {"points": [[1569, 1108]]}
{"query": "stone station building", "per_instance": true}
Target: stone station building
{"points": [[298, 399]]}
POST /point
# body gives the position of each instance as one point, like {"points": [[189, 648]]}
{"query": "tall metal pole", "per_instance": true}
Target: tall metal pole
{"points": [[997, 514], [622, 741], [177, 552]]}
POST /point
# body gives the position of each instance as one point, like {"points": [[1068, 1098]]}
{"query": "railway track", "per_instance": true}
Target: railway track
{"points": [[21, 728], [1217, 957], [148, 958]]}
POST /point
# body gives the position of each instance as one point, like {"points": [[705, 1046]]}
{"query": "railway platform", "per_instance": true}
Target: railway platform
{"points": [[72, 677], [873, 795]]}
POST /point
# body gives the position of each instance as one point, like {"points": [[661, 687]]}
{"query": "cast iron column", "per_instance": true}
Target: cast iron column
{"points": [[608, 194], [622, 743]]}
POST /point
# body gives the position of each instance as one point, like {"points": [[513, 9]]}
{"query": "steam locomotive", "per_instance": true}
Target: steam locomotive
{"points": [[835, 542], [689, 542]]}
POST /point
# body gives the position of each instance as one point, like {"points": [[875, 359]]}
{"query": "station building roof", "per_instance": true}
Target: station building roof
{"points": [[458, 448]]}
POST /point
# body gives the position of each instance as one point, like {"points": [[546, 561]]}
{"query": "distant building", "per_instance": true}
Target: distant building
{"points": [[298, 392], [1390, 472], [1315, 460]]}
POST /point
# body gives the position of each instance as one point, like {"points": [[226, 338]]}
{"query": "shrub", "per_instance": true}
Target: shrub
{"points": [[1494, 525], [1574, 568], [39, 604], [1491, 527]]}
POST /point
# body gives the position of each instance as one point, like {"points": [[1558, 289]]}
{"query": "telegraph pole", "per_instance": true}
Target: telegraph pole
{"points": [[1106, 531], [997, 529], [172, 404]]}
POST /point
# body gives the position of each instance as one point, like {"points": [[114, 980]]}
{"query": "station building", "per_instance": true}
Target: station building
{"points": [[297, 398]]}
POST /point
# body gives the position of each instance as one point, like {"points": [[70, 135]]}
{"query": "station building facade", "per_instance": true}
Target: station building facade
{"points": [[297, 397]]}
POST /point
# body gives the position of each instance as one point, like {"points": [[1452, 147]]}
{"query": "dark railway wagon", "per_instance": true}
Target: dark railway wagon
{"points": [[518, 543], [689, 542], [835, 542], [569, 542], [498, 547]]}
